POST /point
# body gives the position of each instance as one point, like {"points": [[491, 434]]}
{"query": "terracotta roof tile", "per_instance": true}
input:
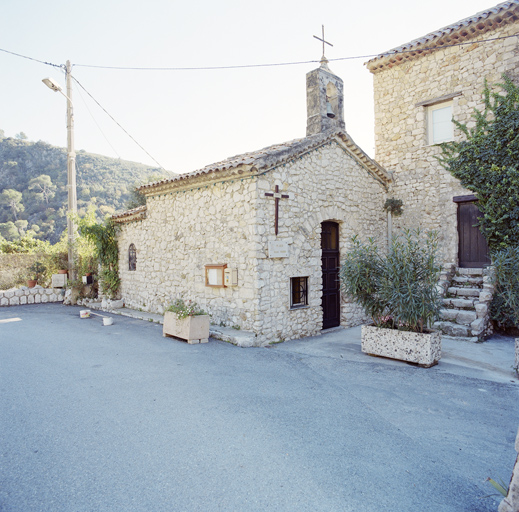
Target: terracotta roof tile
{"points": [[465, 29], [276, 154]]}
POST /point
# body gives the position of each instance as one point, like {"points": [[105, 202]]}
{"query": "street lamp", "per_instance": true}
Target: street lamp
{"points": [[71, 167]]}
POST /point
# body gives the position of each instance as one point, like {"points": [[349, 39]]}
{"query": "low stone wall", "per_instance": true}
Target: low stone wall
{"points": [[36, 295]]}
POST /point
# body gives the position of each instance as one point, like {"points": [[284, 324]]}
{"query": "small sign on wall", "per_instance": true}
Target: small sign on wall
{"points": [[278, 249]]}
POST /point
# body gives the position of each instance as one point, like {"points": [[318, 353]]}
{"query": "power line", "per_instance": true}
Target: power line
{"points": [[272, 64], [31, 58], [275, 64], [114, 120], [97, 124]]}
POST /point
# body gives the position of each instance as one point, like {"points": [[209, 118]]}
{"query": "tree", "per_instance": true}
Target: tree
{"points": [[9, 231], [137, 199], [12, 199], [43, 187], [487, 163], [21, 136]]}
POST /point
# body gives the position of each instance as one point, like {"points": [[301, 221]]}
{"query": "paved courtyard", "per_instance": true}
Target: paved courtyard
{"points": [[118, 418]]}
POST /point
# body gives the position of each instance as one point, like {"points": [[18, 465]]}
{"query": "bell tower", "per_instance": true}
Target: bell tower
{"points": [[324, 100]]}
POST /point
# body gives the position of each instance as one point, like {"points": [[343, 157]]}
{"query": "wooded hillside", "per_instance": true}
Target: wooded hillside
{"points": [[33, 187]]}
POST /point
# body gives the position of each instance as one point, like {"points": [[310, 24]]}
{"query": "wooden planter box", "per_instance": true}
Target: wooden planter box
{"points": [[193, 329], [423, 349]]}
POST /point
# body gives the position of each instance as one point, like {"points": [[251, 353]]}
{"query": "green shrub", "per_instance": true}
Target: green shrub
{"points": [[398, 290], [504, 309], [361, 276]]}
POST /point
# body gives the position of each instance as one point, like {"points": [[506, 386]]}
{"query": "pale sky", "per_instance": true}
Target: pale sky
{"points": [[189, 119]]}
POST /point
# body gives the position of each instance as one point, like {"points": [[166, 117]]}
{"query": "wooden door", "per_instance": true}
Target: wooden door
{"points": [[473, 248], [331, 301]]}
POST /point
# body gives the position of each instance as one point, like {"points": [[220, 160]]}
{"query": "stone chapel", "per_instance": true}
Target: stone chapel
{"points": [[256, 239]]}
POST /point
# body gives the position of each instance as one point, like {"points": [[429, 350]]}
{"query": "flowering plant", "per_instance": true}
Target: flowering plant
{"points": [[184, 309]]}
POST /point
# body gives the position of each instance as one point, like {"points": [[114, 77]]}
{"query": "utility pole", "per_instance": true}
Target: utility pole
{"points": [[71, 177], [71, 166]]}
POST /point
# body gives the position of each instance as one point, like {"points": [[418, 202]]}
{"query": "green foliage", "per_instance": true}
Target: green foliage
{"points": [[500, 487], [43, 188], [504, 309], [12, 200], [37, 269], [184, 309], [38, 171], [361, 275], [137, 199], [25, 245], [486, 163], [394, 206], [397, 290], [409, 280], [103, 237]]}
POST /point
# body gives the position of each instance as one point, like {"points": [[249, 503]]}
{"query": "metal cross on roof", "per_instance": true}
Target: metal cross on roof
{"points": [[323, 40]]}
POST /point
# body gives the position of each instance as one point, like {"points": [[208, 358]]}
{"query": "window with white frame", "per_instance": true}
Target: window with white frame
{"points": [[439, 123]]}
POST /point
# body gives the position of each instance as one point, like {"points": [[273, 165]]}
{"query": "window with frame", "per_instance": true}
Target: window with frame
{"points": [[440, 127], [132, 257], [298, 292]]}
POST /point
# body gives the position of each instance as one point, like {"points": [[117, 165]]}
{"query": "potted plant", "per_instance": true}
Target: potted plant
{"points": [[186, 320], [399, 292], [35, 271]]}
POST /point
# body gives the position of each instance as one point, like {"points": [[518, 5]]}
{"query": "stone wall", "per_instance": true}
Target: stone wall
{"points": [[232, 222], [184, 231], [326, 184], [36, 295], [401, 132]]}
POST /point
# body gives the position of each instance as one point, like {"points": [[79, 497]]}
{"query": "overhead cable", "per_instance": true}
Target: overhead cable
{"points": [[114, 120]]}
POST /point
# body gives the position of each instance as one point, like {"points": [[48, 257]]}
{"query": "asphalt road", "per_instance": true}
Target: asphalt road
{"points": [[118, 418]]}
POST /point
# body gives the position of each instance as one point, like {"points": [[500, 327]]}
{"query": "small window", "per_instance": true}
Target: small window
{"points": [[298, 292], [132, 257], [439, 123]]}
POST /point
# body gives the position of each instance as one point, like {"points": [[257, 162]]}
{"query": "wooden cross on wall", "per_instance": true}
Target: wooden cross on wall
{"points": [[277, 196]]}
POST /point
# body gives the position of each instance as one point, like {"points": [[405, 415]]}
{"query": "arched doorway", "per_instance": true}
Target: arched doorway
{"points": [[330, 257]]}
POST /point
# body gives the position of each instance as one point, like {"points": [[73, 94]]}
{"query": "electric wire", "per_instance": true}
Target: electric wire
{"points": [[115, 121], [32, 58], [275, 64], [97, 124]]}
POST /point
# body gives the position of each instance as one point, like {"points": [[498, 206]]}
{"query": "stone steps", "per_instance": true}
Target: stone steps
{"points": [[464, 292], [465, 306], [459, 303], [465, 280]]}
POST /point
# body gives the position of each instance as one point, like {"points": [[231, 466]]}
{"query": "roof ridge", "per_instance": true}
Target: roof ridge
{"points": [[432, 40]]}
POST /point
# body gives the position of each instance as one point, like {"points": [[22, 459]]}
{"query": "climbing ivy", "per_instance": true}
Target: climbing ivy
{"points": [[487, 163]]}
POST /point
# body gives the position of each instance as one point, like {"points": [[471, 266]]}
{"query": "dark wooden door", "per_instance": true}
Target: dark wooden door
{"points": [[473, 248], [331, 301]]}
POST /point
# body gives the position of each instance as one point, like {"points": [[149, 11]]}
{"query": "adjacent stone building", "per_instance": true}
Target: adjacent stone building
{"points": [[418, 88], [256, 239]]}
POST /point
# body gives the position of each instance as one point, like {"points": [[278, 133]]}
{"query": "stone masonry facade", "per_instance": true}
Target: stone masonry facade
{"points": [[404, 87], [225, 217]]}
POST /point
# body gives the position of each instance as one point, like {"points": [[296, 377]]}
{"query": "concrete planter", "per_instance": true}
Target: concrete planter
{"points": [[424, 349], [193, 329]]}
